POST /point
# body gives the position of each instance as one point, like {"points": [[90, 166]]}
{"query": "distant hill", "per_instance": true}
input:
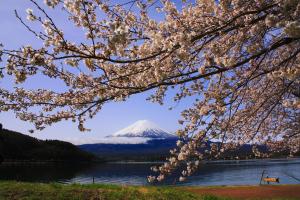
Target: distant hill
{"points": [[158, 150], [15, 146], [153, 150]]}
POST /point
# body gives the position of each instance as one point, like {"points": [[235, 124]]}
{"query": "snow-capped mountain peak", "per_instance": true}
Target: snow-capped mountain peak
{"points": [[143, 128]]}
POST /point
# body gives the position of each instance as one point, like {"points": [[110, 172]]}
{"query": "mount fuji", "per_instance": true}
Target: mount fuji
{"points": [[141, 141], [145, 129]]}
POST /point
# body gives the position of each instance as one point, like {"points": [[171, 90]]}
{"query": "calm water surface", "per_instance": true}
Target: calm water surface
{"points": [[215, 173]]}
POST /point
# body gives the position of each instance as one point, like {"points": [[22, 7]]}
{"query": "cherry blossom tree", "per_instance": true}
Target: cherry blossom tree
{"points": [[239, 59]]}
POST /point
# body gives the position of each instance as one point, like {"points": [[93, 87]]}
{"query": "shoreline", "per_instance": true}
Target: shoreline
{"points": [[45, 162], [16, 162], [209, 161]]}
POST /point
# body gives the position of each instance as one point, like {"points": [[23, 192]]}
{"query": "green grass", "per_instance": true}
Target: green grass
{"points": [[12, 190], [31, 191]]}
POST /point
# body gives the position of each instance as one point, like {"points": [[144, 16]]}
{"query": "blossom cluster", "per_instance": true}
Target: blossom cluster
{"points": [[239, 60]]}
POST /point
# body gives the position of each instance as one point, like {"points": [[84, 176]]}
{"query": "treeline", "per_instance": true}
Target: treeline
{"points": [[15, 146]]}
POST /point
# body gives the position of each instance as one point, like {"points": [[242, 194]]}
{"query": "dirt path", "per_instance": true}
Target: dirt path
{"points": [[251, 192]]}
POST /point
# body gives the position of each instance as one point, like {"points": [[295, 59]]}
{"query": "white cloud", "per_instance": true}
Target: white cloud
{"points": [[109, 140]]}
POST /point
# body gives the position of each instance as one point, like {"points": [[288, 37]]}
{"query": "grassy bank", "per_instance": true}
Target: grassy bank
{"points": [[55, 191], [18, 190]]}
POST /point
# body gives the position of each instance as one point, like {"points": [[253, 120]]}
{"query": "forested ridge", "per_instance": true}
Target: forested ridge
{"points": [[15, 146]]}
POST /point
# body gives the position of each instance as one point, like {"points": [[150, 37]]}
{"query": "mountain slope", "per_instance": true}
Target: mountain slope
{"points": [[143, 128], [16, 146], [141, 141], [152, 150]]}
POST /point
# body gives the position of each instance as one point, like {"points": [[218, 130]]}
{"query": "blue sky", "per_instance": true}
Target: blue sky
{"points": [[111, 118]]}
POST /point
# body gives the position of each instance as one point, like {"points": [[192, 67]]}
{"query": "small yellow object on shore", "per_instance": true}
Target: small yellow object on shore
{"points": [[269, 179]]}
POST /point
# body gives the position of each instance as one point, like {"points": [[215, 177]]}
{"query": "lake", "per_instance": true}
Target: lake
{"points": [[213, 173]]}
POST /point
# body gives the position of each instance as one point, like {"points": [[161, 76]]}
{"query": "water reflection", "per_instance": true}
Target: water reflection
{"points": [[216, 173], [40, 172]]}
